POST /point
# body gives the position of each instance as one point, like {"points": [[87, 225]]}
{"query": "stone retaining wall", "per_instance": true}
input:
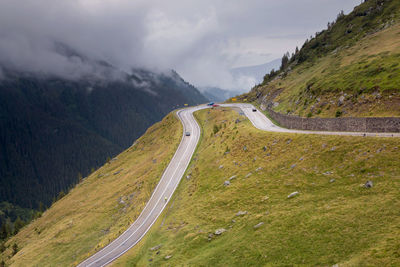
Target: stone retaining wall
{"points": [[370, 125]]}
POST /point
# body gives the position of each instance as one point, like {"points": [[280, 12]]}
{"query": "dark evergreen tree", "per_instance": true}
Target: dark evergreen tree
{"points": [[3, 231], [18, 224], [15, 249], [285, 61]]}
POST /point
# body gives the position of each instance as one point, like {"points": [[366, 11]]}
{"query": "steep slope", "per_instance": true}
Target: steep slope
{"points": [[53, 130], [349, 69], [332, 220], [99, 208]]}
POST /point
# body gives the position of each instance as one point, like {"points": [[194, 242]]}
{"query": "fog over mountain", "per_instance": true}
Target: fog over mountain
{"points": [[202, 40]]}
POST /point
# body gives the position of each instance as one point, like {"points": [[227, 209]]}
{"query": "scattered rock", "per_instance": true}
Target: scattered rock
{"points": [[333, 148], [241, 213], [265, 148], [188, 177], [115, 173], [232, 177], [150, 260], [258, 169], [268, 154], [265, 198], [294, 165], [210, 236], [368, 184], [244, 148], [327, 173], [258, 225], [220, 166], [293, 194], [289, 141], [301, 158], [255, 158], [323, 145], [237, 121], [219, 231], [332, 180], [248, 175], [336, 265], [276, 104], [168, 257], [227, 183], [341, 101], [156, 248], [154, 160]]}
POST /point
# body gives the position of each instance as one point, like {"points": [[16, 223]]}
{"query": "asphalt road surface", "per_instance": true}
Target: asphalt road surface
{"points": [[260, 121], [173, 174], [160, 197]]}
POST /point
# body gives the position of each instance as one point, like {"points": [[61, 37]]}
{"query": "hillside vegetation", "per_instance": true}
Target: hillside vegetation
{"points": [[54, 131], [349, 69], [334, 218], [99, 208]]}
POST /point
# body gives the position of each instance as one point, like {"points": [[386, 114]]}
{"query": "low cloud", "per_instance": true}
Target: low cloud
{"points": [[202, 40]]}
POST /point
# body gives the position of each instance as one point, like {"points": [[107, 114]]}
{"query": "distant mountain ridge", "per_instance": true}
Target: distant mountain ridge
{"points": [[216, 94], [257, 71]]}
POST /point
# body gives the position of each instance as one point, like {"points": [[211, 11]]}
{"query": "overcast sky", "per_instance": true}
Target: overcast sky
{"points": [[201, 39]]}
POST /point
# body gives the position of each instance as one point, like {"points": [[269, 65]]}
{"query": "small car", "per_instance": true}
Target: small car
{"points": [[187, 133], [254, 110]]}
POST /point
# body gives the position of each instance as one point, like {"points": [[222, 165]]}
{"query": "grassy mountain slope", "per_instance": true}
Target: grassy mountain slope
{"points": [[351, 67], [329, 222], [100, 207]]}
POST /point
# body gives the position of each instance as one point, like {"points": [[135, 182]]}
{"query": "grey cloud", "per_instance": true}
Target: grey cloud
{"points": [[202, 40]]}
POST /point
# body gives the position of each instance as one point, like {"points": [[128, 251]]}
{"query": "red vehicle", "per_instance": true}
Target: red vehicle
{"points": [[215, 105]]}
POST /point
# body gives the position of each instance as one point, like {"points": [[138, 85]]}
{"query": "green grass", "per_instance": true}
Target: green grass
{"points": [[328, 223], [91, 214], [358, 66], [360, 72]]}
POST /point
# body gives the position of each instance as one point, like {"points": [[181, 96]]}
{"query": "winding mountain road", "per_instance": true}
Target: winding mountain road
{"points": [[173, 174]]}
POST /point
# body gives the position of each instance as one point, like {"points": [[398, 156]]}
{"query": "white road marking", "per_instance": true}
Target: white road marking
{"points": [[180, 162]]}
